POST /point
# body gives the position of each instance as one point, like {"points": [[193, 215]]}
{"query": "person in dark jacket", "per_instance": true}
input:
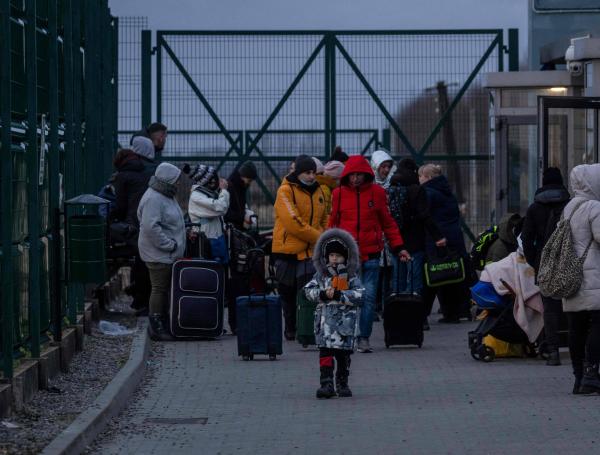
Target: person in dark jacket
{"points": [[454, 298], [410, 208], [144, 148], [131, 182], [540, 222], [508, 230], [239, 181]]}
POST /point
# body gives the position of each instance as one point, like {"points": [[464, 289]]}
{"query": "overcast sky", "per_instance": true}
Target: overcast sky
{"points": [[328, 14]]}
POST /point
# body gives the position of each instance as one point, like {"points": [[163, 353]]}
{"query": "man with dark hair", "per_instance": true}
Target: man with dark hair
{"points": [[156, 132]]}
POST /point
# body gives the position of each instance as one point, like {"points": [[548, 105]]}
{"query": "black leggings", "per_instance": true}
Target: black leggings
{"points": [[584, 338]]}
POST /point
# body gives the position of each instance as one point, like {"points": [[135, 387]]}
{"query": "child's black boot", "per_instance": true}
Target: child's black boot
{"points": [[341, 376], [326, 390]]}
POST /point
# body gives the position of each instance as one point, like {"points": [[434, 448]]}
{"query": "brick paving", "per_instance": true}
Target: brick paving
{"points": [[434, 400]]}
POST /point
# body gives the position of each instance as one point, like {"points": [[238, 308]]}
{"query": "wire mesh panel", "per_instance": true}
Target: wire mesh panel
{"points": [[130, 75], [270, 96]]}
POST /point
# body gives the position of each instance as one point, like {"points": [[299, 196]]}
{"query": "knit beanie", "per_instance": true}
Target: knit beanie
{"points": [[319, 165], [552, 176], [339, 155], [335, 246], [304, 163], [334, 169], [203, 174], [248, 170], [409, 164]]}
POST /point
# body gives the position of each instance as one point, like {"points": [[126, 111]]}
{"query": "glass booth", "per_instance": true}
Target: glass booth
{"points": [[515, 160]]}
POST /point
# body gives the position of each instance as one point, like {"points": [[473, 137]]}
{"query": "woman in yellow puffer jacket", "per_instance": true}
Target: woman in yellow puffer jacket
{"points": [[300, 218]]}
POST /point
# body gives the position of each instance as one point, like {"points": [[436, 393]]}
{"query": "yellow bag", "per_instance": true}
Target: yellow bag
{"points": [[502, 348]]}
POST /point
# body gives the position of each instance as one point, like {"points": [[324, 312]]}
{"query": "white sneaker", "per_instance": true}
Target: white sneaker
{"points": [[364, 346]]}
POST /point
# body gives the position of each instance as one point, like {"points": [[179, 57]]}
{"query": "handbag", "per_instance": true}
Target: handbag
{"points": [[447, 268]]}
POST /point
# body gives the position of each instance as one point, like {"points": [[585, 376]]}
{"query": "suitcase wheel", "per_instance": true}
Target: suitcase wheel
{"points": [[305, 346], [387, 346], [247, 357], [486, 354], [272, 357], [420, 345]]}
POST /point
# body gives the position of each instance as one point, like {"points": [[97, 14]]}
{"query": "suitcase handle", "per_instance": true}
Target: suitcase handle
{"points": [[410, 272]]}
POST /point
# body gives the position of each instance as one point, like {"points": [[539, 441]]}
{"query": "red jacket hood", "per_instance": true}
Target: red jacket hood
{"points": [[357, 163]]}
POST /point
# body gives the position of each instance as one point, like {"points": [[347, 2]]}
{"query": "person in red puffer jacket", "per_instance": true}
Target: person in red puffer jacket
{"points": [[360, 207]]}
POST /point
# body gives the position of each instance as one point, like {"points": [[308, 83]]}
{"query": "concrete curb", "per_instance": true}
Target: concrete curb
{"points": [[84, 429]]}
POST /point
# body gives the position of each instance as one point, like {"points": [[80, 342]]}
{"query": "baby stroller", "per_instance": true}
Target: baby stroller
{"points": [[497, 320]]}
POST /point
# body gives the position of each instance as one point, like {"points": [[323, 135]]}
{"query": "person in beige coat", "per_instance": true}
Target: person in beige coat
{"points": [[583, 308]]}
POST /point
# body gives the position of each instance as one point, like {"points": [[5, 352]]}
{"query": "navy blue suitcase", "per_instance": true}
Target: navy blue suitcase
{"points": [[259, 326], [197, 299]]}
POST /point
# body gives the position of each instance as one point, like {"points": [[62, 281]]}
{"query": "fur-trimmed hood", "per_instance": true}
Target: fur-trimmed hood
{"points": [[319, 259]]}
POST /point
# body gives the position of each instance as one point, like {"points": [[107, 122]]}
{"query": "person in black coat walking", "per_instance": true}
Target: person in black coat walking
{"points": [[131, 182], [410, 209], [454, 298], [540, 222], [239, 182]]}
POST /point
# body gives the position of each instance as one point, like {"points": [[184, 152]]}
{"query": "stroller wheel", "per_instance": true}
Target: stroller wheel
{"points": [[530, 351], [475, 353], [487, 354]]}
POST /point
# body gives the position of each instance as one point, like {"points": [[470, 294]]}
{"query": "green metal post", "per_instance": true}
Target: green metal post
{"points": [[500, 39], [107, 151], [513, 49], [159, 43], [6, 202], [115, 82], [327, 65], [54, 170], [386, 139], [146, 78], [332, 91], [92, 97], [33, 167]]}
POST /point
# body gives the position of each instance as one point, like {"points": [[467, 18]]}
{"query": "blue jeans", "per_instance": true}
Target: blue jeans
{"points": [[400, 275], [369, 274]]}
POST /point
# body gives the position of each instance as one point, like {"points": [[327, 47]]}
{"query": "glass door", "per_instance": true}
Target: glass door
{"points": [[567, 132]]}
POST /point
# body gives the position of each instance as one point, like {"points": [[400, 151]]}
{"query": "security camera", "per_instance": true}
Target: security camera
{"points": [[575, 68]]}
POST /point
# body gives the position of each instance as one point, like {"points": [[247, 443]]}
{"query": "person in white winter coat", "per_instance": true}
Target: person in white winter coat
{"points": [[583, 308], [383, 167], [209, 202]]}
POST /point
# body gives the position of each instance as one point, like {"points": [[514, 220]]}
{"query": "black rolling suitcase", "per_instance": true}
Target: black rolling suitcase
{"points": [[403, 314], [197, 299]]}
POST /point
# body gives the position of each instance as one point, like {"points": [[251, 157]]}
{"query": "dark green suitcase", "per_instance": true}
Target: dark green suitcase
{"points": [[305, 320]]}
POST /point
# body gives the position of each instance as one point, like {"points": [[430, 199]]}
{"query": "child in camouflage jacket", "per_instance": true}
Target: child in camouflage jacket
{"points": [[338, 291]]}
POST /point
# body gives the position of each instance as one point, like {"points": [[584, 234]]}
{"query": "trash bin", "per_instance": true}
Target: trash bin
{"points": [[86, 239]]}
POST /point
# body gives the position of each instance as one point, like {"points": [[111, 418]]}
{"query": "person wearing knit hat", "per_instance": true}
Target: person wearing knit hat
{"points": [[330, 179], [209, 202], [339, 155], [300, 218], [161, 241], [540, 221], [334, 169], [304, 164], [320, 167]]}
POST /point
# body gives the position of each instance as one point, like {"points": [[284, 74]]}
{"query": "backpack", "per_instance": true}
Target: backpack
{"points": [[561, 271], [482, 246], [398, 202]]}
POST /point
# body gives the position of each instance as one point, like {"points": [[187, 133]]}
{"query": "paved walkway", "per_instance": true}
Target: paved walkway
{"points": [[434, 400]]}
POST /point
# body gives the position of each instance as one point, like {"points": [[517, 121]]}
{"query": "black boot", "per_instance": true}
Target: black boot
{"points": [[553, 358], [341, 377], [326, 390], [156, 329], [590, 383]]}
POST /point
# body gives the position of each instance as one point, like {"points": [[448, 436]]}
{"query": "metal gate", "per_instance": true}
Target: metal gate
{"points": [[230, 96]]}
